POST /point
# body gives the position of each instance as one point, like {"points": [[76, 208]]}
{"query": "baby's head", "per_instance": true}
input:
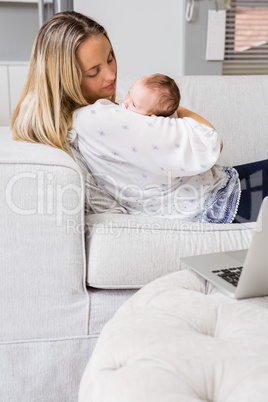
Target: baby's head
{"points": [[156, 95]]}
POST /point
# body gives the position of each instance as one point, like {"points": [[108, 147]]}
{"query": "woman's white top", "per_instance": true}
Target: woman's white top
{"points": [[157, 166]]}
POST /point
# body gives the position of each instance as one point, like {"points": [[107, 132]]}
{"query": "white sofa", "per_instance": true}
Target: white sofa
{"points": [[64, 273]]}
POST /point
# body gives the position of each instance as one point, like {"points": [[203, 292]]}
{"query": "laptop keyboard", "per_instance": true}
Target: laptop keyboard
{"points": [[230, 275]]}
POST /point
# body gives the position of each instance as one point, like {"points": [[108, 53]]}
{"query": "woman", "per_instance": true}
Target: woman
{"points": [[73, 65], [55, 87]]}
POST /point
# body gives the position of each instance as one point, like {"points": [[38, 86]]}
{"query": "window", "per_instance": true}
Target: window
{"points": [[246, 38]]}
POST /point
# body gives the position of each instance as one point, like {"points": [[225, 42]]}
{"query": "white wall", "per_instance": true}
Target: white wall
{"points": [[18, 28], [12, 78], [146, 34]]}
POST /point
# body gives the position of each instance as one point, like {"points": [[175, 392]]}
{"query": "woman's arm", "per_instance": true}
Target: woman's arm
{"points": [[183, 147], [182, 112]]}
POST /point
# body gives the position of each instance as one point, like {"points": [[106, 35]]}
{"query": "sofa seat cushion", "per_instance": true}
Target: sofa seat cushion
{"points": [[131, 251], [179, 339]]}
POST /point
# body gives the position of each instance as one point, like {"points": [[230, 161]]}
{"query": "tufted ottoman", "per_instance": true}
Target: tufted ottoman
{"points": [[177, 340]]}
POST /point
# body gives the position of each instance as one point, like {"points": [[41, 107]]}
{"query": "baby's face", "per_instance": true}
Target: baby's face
{"points": [[140, 99]]}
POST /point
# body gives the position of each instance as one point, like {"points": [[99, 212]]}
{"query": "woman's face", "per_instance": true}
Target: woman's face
{"points": [[98, 67]]}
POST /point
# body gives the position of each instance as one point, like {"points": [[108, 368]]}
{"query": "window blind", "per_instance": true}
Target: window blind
{"points": [[246, 38]]}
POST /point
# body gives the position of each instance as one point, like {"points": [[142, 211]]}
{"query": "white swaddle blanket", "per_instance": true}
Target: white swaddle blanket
{"points": [[156, 165]]}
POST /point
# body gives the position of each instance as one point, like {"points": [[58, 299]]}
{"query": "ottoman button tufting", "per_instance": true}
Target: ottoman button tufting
{"points": [[178, 344]]}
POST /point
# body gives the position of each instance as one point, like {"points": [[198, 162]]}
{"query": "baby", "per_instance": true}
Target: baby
{"points": [[155, 95], [152, 165]]}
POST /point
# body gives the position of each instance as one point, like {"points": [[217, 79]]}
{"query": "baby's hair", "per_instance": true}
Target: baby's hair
{"points": [[169, 94]]}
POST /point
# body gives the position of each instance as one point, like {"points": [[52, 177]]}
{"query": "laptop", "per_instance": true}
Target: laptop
{"points": [[242, 273]]}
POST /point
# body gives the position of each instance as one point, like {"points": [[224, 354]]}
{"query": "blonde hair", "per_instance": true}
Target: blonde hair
{"points": [[52, 90], [169, 94]]}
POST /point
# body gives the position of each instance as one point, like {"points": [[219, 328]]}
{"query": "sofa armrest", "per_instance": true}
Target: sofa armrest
{"points": [[42, 277]]}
